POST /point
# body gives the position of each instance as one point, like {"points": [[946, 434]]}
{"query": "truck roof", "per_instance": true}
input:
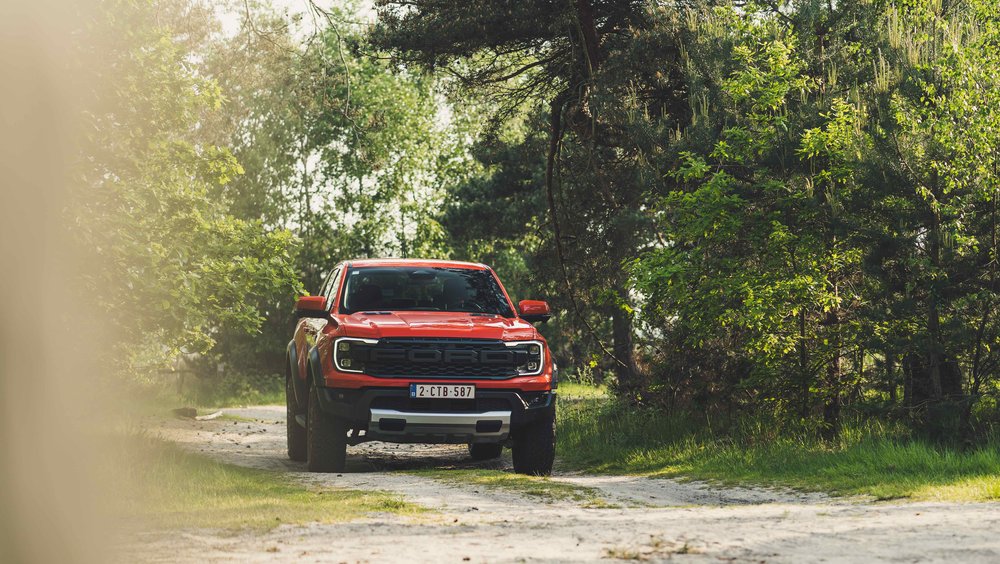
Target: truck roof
{"points": [[430, 263]]}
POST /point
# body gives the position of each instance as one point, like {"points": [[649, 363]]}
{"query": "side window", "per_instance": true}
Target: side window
{"points": [[325, 288], [330, 288]]}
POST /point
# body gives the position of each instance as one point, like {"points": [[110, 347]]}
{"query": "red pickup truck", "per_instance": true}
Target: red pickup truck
{"points": [[419, 351]]}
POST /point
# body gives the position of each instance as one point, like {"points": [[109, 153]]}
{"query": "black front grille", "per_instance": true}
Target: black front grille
{"points": [[439, 358]]}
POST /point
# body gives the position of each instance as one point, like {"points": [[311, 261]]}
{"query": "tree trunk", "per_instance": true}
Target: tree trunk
{"points": [[965, 429], [804, 377], [404, 251], [831, 409], [623, 346], [911, 368], [588, 29], [935, 352], [834, 377], [890, 376]]}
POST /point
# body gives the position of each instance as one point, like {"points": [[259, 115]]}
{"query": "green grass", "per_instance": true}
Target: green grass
{"points": [[139, 402], [166, 487], [876, 460], [241, 419], [544, 489], [576, 390], [242, 398]]}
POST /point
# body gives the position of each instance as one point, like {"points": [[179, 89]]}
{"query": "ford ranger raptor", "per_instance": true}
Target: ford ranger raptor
{"points": [[419, 351]]}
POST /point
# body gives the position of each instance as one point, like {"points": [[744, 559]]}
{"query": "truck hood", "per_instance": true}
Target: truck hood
{"points": [[442, 324]]}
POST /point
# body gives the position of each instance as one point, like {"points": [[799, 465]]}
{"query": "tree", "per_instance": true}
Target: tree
{"points": [[555, 52], [171, 266], [352, 158], [940, 140]]}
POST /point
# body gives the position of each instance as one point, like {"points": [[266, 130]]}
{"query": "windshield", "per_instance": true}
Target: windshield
{"points": [[405, 288]]}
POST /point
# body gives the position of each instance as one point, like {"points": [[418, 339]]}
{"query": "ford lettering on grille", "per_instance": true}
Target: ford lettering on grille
{"points": [[439, 358], [446, 356]]}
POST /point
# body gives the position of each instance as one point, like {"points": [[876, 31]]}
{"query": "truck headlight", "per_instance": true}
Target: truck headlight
{"points": [[530, 357], [344, 350]]}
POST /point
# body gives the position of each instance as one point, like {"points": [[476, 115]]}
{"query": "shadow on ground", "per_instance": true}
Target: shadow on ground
{"points": [[255, 438], [387, 457]]}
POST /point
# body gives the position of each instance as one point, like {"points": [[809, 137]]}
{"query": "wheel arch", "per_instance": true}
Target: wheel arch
{"points": [[300, 385], [314, 376]]}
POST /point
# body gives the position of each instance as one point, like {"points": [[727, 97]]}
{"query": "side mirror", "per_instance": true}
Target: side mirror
{"points": [[311, 306], [534, 311]]}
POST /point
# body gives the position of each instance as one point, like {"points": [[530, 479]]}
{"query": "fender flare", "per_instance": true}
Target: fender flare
{"points": [[299, 385], [315, 374], [315, 377]]}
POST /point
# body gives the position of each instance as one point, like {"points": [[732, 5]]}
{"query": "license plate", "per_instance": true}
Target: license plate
{"points": [[450, 391]]}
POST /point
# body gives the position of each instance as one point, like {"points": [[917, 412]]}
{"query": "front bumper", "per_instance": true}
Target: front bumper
{"points": [[390, 415], [391, 425]]}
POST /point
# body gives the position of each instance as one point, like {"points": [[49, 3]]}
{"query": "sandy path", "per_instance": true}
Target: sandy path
{"points": [[648, 519]]}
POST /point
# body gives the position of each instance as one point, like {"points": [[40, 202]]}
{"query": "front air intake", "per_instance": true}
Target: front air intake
{"points": [[391, 424]]}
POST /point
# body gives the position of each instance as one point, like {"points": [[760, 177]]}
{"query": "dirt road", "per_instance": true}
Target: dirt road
{"points": [[635, 518]]}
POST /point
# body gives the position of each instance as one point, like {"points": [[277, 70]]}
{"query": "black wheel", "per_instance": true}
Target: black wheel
{"points": [[534, 448], [326, 438], [296, 433], [485, 451]]}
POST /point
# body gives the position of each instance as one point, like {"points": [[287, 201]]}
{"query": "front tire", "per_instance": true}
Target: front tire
{"points": [[326, 438], [485, 451], [534, 448], [296, 433]]}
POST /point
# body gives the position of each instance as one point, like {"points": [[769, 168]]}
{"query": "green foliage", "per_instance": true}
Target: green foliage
{"points": [[808, 213], [233, 389], [350, 156], [170, 264], [793, 202], [780, 208], [870, 459], [563, 194]]}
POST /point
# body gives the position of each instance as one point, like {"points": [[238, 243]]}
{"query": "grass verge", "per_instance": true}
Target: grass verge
{"points": [[873, 459], [167, 487], [545, 489], [579, 391]]}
